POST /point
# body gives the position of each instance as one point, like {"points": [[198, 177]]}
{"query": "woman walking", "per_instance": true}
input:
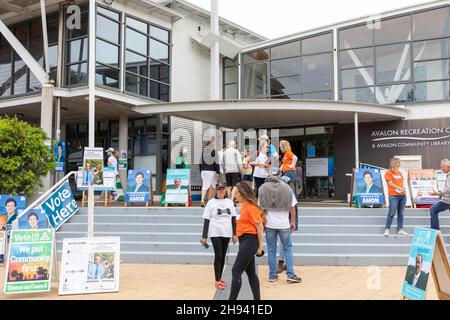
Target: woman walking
{"points": [[219, 225], [262, 167], [289, 160], [397, 197], [209, 169], [250, 233]]}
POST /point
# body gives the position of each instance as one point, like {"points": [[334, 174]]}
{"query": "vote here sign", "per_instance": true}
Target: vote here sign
{"points": [[60, 206]]}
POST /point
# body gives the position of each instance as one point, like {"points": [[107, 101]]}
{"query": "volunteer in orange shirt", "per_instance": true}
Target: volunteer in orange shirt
{"points": [[249, 229], [397, 197], [289, 161]]}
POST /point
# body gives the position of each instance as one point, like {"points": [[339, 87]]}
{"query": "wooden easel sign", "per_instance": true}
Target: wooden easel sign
{"points": [[427, 255], [139, 187]]}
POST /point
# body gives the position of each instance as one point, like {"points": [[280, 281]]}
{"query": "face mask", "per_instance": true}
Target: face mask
{"points": [[184, 150]]}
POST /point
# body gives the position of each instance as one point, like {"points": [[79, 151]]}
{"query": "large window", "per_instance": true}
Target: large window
{"points": [[230, 79], [147, 59], [293, 70], [405, 60]]}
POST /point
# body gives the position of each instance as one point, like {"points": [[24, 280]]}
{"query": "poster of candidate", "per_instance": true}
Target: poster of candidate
{"points": [[92, 173], [367, 187], [34, 219], [405, 184], [29, 263], [177, 186], [419, 264], [423, 181], [10, 209], [60, 154], [90, 265], [138, 186]]}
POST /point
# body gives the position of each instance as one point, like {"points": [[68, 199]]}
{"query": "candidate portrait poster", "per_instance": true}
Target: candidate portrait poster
{"points": [[59, 150], [138, 186], [29, 262], [92, 172], [10, 209], [423, 181], [368, 187], [405, 184], [33, 219], [90, 265], [177, 185], [419, 264]]}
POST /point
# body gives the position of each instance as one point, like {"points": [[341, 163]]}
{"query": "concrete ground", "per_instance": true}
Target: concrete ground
{"points": [[196, 282]]}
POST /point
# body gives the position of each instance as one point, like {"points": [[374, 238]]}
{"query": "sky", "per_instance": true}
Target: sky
{"points": [[275, 18]]}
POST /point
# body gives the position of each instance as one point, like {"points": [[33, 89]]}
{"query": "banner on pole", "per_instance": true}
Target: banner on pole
{"points": [[60, 206]]}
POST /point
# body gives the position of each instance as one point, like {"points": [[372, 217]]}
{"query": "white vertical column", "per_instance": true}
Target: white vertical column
{"points": [[123, 145], [356, 140], [215, 53], [92, 34], [335, 65], [46, 121]]}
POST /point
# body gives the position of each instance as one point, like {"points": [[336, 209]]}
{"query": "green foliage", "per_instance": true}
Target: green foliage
{"points": [[24, 157]]}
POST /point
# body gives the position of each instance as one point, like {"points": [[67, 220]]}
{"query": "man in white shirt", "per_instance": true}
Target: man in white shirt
{"points": [[112, 160], [444, 203]]}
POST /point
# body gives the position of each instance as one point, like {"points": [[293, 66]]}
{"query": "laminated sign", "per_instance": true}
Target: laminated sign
{"points": [[60, 206]]}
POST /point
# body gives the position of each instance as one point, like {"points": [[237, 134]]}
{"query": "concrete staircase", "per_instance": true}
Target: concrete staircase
{"points": [[326, 236]]}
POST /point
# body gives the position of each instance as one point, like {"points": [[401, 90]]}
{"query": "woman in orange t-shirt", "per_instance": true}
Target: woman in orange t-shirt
{"points": [[289, 161], [249, 229], [397, 197]]}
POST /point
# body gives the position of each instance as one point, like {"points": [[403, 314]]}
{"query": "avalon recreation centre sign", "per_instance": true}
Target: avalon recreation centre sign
{"points": [[410, 137]]}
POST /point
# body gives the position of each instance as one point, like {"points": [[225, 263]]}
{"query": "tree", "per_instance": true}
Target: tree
{"points": [[24, 157]]}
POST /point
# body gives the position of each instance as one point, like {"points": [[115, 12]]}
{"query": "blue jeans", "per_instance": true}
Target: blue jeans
{"points": [[271, 239], [434, 211], [396, 204], [282, 256]]}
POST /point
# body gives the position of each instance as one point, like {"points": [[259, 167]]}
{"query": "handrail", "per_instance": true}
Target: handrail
{"points": [[48, 192]]}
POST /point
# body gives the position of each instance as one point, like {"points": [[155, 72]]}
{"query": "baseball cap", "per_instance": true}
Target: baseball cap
{"points": [[220, 186], [110, 150]]}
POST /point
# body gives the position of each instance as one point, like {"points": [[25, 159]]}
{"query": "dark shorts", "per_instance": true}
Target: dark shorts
{"points": [[248, 177], [233, 178]]}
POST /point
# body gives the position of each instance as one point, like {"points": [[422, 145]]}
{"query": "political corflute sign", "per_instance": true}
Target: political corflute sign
{"points": [[60, 206]]}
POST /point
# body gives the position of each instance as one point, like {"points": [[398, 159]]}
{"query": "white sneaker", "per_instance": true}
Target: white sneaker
{"points": [[386, 232], [402, 233]]}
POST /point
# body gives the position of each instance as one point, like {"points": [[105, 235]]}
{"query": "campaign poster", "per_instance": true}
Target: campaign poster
{"points": [[441, 177], [109, 179], [90, 265], [367, 187], [60, 154], [123, 165], [423, 182], [29, 262], [177, 185], [138, 186], [2, 245], [419, 264], [33, 219], [10, 209], [92, 168], [60, 206], [405, 184]]}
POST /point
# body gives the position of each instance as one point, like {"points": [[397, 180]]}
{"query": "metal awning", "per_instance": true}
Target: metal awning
{"points": [[275, 113]]}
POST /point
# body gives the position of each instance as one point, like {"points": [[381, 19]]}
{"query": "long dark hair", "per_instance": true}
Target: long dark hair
{"points": [[247, 193]]}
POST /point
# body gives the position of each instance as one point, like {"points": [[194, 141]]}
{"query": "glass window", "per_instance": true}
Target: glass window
{"points": [[255, 80], [287, 50], [136, 41], [229, 63], [325, 95], [316, 72], [256, 56], [432, 24], [76, 73], [432, 70], [159, 71], [5, 67], [136, 84], [398, 93], [107, 53], [159, 33], [231, 91], [77, 50], [136, 63], [356, 37], [159, 51], [106, 76], [317, 44], [53, 56], [285, 67], [432, 49], [20, 76], [393, 63], [429, 91], [356, 58], [52, 29], [107, 29], [159, 91], [357, 77], [393, 30], [285, 85], [138, 25], [112, 14], [358, 95], [231, 75], [289, 96]]}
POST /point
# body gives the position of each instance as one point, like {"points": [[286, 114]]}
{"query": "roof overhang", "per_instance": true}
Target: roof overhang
{"points": [[275, 113]]}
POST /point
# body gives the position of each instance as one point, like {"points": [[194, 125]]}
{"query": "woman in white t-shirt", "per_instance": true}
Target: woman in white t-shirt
{"points": [[219, 225], [262, 167]]}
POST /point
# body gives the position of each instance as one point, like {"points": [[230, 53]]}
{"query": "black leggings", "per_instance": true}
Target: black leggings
{"points": [[220, 245], [258, 183], [245, 261]]}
